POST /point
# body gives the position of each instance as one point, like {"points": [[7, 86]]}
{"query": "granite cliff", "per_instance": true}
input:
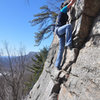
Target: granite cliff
{"points": [[81, 80]]}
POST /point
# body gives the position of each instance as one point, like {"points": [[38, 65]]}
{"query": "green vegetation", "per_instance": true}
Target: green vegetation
{"points": [[37, 67]]}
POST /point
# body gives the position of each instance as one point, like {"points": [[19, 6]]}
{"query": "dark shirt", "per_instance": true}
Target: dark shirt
{"points": [[62, 16]]}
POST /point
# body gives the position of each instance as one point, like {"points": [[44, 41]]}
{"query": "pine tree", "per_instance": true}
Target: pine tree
{"points": [[37, 67], [46, 20]]}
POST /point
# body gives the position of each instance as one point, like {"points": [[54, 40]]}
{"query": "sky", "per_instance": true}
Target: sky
{"points": [[15, 28]]}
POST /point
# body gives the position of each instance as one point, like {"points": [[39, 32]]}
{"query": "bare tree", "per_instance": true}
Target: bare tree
{"points": [[14, 77], [2, 89]]}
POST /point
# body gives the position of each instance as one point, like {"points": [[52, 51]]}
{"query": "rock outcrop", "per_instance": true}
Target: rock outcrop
{"points": [[81, 78]]}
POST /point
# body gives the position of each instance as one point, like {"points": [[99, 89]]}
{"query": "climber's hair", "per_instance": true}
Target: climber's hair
{"points": [[62, 5]]}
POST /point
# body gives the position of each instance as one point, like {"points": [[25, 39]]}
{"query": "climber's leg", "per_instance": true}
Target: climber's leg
{"points": [[68, 41], [60, 52], [62, 29], [61, 34], [68, 30]]}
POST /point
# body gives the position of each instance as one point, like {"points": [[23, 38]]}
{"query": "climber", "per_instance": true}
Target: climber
{"points": [[63, 29]]}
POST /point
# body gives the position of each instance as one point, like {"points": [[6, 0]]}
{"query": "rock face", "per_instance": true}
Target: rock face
{"points": [[81, 80]]}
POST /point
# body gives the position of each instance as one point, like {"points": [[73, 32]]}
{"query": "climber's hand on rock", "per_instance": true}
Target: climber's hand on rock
{"points": [[71, 3]]}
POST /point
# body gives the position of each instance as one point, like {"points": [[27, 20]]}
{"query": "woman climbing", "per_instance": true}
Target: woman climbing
{"points": [[63, 29]]}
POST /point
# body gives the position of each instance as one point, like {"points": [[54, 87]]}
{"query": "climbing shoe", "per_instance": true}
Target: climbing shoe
{"points": [[70, 47], [59, 68]]}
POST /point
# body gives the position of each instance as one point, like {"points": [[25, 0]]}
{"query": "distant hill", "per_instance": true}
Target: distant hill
{"points": [[4, 62]]}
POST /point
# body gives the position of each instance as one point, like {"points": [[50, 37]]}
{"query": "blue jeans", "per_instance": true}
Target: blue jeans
{"points": [[61, 32]]}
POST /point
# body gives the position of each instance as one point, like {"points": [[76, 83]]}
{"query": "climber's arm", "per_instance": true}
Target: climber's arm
{"points": [[65, 8], [71, 3]]}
